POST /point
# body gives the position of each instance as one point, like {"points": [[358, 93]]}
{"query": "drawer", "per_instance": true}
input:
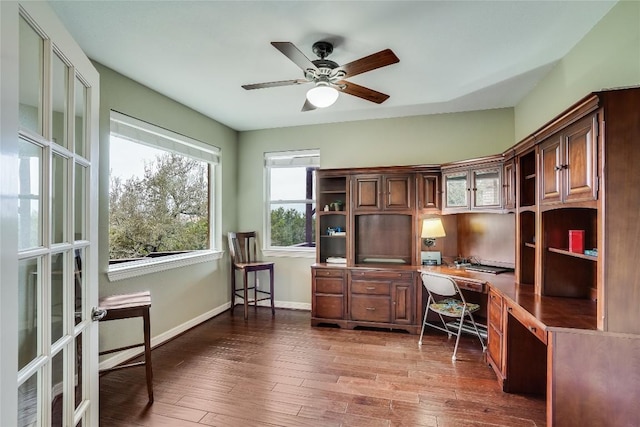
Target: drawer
{"points": [[371, 308], [322, 272], [370, 288], [328, 306], [382, 275], [528, 321], [494, 346], [329, 285], [469, 285], [495, 310]]}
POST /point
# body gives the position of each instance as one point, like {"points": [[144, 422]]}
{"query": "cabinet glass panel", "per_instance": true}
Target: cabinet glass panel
{"points": [[456, 190], [30, 92], [486, 187]]}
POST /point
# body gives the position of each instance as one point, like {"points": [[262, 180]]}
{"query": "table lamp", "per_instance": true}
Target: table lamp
{"points": [[431, 230]]}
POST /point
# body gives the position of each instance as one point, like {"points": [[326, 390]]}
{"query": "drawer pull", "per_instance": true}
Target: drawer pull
{"points": [[371, 308], [533, 329], [371, 288]]}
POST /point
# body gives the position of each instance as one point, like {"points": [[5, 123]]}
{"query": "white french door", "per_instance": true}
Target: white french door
{"points": [[50, 197]]}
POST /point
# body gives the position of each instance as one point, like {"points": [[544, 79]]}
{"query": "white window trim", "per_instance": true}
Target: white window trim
{"points": [[293, 158], [129, 128], [127, 270]]}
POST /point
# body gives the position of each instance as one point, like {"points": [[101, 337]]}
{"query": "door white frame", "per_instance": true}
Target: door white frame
{"points": [[48, 23]]}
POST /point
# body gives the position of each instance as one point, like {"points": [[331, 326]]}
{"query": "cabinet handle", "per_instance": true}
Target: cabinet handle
{"points": [[558, 167], [509, 309], [532, 329], [371, 308]]}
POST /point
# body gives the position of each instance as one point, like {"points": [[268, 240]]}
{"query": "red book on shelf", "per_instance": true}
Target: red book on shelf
{"points": [[576, 241]]}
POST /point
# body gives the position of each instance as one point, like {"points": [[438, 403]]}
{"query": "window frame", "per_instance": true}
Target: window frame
{"points": [[286, 159], [144, 133]]}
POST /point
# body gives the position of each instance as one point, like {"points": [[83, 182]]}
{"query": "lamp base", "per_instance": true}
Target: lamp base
{"points": [[431, 257]]}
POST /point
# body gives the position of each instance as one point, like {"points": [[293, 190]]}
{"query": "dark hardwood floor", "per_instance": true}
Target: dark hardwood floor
{"points": [[283, 372]]}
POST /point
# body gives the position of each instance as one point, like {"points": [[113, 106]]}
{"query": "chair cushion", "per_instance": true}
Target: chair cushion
{"points": [[452, 307]]}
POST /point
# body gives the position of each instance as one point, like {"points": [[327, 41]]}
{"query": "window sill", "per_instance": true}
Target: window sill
{"points": [[153, 265], [289, 253]]}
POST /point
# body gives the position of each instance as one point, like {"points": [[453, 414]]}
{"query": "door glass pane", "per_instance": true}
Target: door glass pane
{"points": [[29, 294], [78, 286], [79, 117], [59, 101], [30, 92], [456, 188], [59, 199], [29, 197], [58, 269], [57, 388], [487, 191], [79, 202], [28, 414], [77, 369]]}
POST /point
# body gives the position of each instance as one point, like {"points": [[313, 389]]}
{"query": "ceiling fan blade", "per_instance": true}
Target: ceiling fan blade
{"points": [[289, 50], [362, 92], [308, 106], [276, 84], [371, 62]]}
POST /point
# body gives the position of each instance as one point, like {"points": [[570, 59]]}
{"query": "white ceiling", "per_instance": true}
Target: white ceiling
{"points": [[454, 55]]}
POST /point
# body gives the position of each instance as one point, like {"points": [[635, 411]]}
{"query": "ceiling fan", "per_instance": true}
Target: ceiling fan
{"points": [[328, 77]]}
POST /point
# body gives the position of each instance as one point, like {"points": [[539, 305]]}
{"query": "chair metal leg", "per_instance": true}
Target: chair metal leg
{"points": [[147, 354], [455, 349], [424, 320]]}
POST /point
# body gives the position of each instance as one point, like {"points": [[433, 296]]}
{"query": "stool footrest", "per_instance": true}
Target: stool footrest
{"points": [[115, 350], [128, 365]]}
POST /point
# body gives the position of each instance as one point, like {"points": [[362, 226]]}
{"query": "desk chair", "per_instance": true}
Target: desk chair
{"points": [[242, 247], [446, 300]]}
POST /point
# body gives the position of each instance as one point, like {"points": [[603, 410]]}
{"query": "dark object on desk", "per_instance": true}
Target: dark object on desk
{"points": [[488, 269]]}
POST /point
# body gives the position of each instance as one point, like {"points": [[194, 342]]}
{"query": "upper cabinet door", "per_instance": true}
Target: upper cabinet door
{"points": [[398, 192], [569, 164], [550, 168], [391, 192], [487, 188], [456, 190], [367, 193], [429, 192], [580, 152]]}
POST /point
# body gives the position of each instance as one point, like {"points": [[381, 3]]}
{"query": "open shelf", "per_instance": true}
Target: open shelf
{"points": [[527, 179], [573, 254]]}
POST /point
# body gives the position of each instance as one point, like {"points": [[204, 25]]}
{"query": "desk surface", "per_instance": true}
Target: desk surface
{"points": [[550, 311]]}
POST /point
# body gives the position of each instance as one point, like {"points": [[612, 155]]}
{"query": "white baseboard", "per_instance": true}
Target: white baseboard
{"points": [[166, 336]]}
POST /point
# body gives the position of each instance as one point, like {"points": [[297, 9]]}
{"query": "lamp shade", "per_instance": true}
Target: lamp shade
{"points": [[432, 228], [322, 95]]}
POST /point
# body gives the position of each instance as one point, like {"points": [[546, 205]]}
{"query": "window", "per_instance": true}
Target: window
{"points": [[161, 197], [291, 205]]}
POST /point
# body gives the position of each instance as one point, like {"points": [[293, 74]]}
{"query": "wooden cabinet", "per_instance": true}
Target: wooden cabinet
{"points": [[351, 297], [495, 328], [383, 192], [329, 296], [476, 187], [509, 184], [382, 296], [429, 192], [568, 165]]}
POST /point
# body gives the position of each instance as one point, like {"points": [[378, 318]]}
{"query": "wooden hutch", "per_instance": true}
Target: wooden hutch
{"points": [[568, 317]]}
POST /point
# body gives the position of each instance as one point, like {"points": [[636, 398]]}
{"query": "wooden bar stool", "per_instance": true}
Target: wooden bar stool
{"points": [[242, 247], [124, 307]]}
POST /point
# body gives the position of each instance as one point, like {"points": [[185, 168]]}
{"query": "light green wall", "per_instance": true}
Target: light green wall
{"points": [[182, 294], [607, 57]]}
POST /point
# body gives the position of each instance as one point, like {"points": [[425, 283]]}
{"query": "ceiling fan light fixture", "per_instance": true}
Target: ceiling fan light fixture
{"points": [[322, 95]]}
